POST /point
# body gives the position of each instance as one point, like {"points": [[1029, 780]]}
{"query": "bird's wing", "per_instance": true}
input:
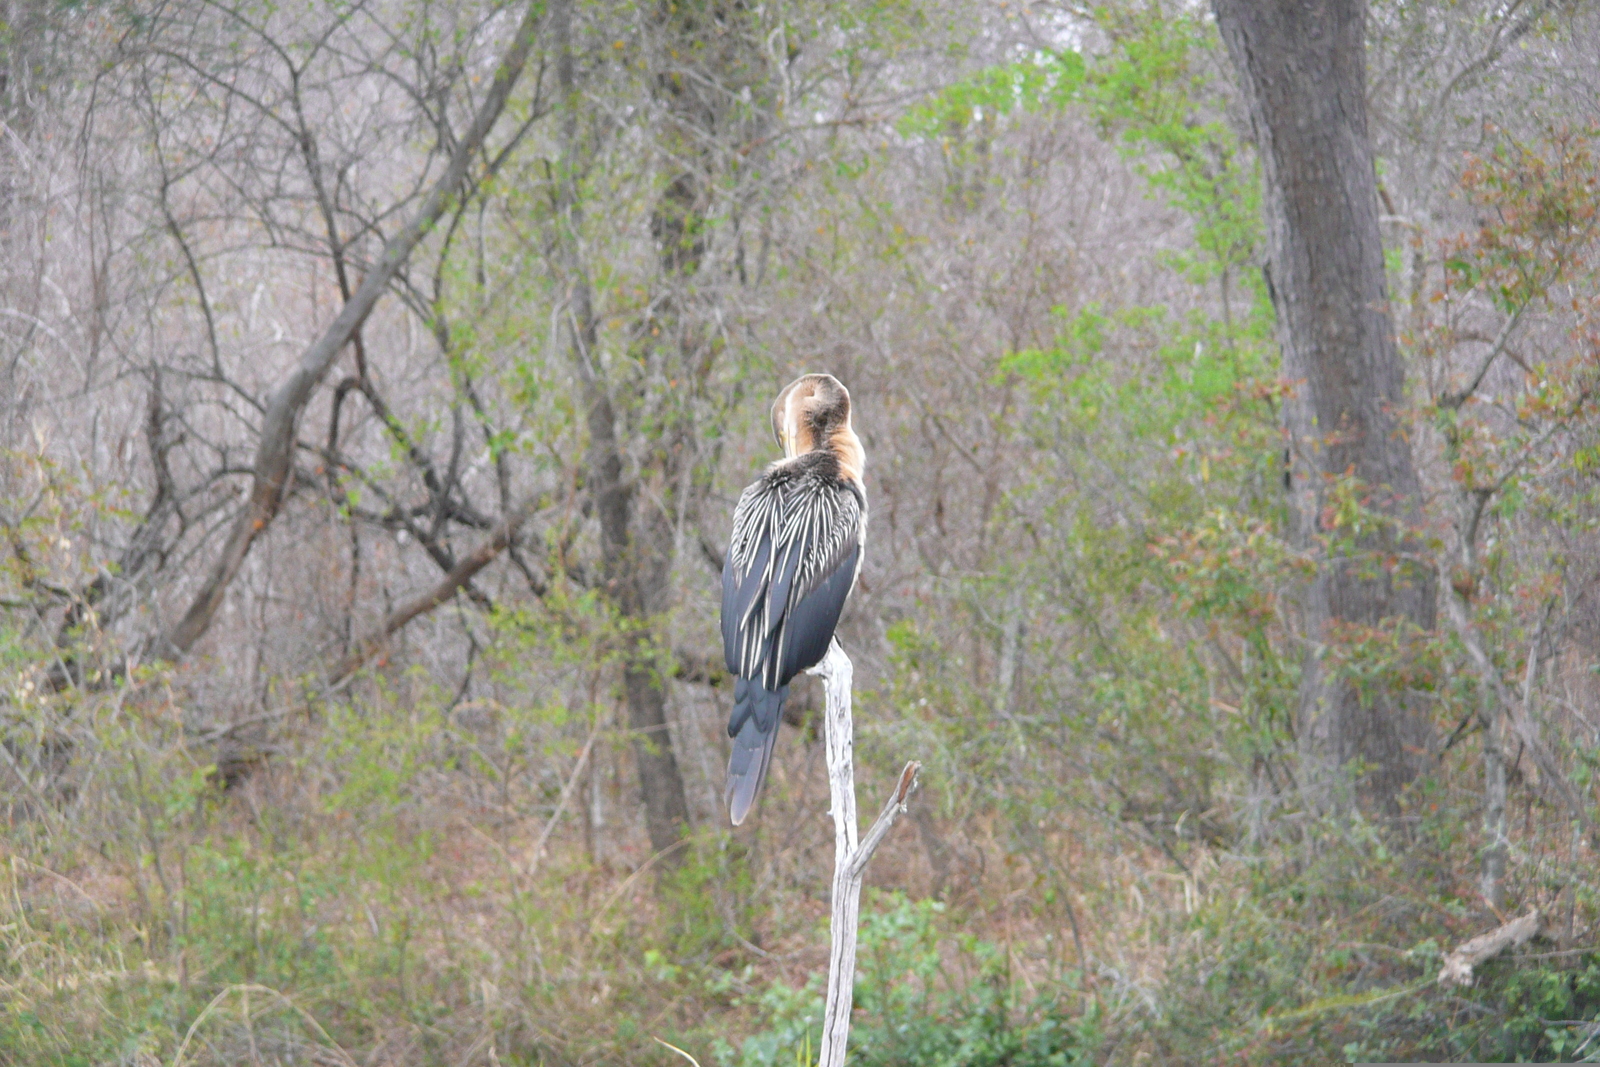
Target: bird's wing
{"points": [[832, 522], [792, 561], [827, 525], [746, 574], [809, 624]]}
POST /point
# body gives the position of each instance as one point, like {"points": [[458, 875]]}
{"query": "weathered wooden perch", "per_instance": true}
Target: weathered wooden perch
{"points": [[850, 856], [1457, 969]]}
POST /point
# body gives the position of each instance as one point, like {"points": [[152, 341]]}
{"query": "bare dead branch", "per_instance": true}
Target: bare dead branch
{"points": [[1457, 969], [276, 448], [1552, 784], [1456, 399], [459, 576], [850, 857]]}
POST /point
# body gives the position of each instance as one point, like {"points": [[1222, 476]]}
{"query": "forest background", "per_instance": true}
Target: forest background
{"points": [[377, 381]]}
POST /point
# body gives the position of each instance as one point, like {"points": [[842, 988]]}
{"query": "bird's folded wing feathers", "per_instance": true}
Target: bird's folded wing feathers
{"points": [[746, 572], [792, 542], [831, 534], [808, 627]]}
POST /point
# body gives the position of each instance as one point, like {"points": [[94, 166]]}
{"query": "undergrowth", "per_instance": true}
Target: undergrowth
{"points": [[347, 902]]}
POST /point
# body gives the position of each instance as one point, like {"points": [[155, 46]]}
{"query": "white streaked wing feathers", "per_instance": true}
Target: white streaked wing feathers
{"points": [[803, 515]]}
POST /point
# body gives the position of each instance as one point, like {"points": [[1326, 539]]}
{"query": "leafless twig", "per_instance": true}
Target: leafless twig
{"points": [[452, 583]]}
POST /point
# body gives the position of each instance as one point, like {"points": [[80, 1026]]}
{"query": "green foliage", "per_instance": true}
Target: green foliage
{"points": [[1151, 95], [330, 914], [1546, 208], [1183, 410], [1330, 952], [926, 997], [1047, 80], [1194, 370], [1157, 99], [711, 899], [388, 881]]}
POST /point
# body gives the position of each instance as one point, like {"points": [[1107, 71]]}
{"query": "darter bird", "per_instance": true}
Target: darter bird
{"points": [[798, 535]]}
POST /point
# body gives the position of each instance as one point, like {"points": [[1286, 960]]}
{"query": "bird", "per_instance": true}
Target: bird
{"points": [[799, 534]]}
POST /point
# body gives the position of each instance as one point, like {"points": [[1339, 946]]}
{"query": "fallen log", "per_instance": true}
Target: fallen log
{"points": [[1457, 969]]}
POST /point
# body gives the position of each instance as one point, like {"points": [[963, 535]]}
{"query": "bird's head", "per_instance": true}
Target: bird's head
{"points": [[809, 412]]}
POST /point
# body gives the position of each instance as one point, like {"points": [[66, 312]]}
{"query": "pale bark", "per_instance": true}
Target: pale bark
{"points": [[1497, 845], [1458, 965], [850, 855], [1011, 635], [1551, 784]]}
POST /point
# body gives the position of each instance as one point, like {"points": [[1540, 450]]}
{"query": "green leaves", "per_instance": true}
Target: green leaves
{"points": [[1046, 80], [1229, 566], [1540, 205], [931, 997], [1154, 99]]}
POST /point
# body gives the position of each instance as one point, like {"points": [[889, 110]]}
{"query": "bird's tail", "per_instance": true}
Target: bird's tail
{"points": [[754, 729]]}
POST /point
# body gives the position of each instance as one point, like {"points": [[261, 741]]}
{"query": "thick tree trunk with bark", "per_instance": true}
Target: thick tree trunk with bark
{"points": [[1301, 65], [645, 428], [634, 578], [635, 553]]}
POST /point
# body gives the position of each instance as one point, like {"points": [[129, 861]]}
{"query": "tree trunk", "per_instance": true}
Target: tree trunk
{"points": [[636, 555], [1301, 65], [635, 585]]}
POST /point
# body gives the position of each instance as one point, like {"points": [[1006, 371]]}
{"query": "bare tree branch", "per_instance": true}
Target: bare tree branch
{"points": [[1457, 969], [850, 857], [459, 576], [1553, 784], [1456, 399], [276, 448]]}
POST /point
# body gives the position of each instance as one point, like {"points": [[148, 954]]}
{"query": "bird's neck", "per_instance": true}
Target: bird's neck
{"points": [[846, 448]]}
